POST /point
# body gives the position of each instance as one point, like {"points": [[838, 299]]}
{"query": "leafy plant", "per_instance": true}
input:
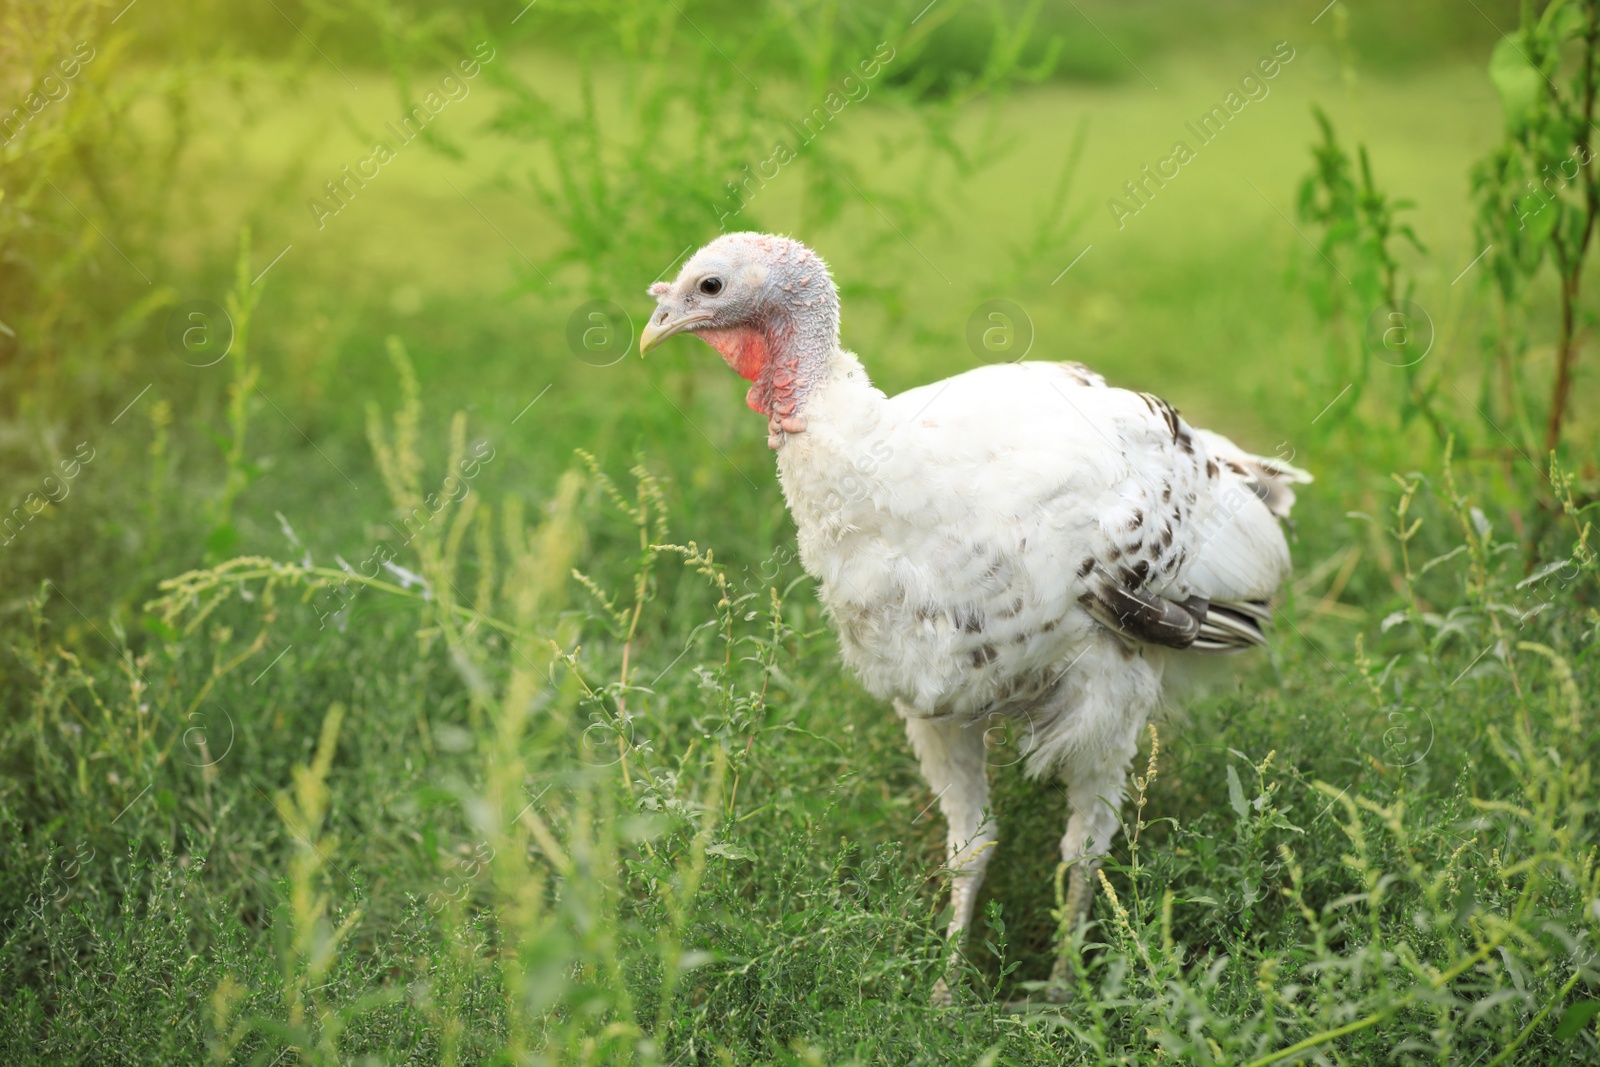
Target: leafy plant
{"points": [[239, 471], [1539, 192], [635, 175], [1358, 274]]}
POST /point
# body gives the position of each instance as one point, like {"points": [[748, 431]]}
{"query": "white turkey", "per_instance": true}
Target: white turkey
{"points": [[1020, 541]]}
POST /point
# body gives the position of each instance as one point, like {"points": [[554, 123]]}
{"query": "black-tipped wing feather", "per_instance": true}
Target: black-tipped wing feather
{"points": [[1196, 623]]}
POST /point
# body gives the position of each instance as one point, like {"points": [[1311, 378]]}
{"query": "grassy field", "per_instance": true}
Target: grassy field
{"points": [[407, 685]]}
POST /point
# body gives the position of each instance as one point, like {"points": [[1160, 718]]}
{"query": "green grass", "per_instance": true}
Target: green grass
{"points": [[239, 827]]}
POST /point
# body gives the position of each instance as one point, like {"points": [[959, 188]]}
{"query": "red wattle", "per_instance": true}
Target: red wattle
{"points": [[742, 348], [746, 351]]}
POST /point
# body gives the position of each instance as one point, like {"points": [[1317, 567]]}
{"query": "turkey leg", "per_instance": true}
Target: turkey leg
{"points": [[952, 758], [1094, 795]]}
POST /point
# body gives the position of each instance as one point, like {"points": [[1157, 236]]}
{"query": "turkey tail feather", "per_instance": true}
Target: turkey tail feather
{"points": [[1233, 625]]}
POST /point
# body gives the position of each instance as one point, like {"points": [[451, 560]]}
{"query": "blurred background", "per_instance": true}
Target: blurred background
{"points": [[598, 145], [272, 275]]}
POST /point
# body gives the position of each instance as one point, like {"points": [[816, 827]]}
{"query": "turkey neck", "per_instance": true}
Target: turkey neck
{"points": [[832, 468]]}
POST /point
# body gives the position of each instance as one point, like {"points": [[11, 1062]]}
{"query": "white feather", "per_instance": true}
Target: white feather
{"points": [[955, 531], [948, 526]]}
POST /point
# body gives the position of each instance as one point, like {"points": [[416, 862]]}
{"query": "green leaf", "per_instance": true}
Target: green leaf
{"points": [[1544, 572], [1236, 793], [1517, 81], [1563, 20], [732, 852], [1575, 1018], [166, 633], [1540, 217], [1436, 560], [433, 796]]}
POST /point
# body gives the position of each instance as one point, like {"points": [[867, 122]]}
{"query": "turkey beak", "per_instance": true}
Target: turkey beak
{"points": [[662, 326]]}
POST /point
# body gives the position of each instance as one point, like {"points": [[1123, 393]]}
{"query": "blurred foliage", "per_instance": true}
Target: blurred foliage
{"points": [[1359, 228], [630, 179], [487, 750], [1546, 75], [1546, 78], [1093, 35], [76, 166]]}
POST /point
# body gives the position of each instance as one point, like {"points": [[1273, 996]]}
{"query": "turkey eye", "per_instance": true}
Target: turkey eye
{"points": [[711, 286]]}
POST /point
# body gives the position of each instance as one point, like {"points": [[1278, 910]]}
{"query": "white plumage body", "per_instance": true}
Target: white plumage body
{"points": [[949, 528]]}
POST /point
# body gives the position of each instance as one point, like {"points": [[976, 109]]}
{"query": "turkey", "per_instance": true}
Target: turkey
{"points": [[1020, 542]]}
